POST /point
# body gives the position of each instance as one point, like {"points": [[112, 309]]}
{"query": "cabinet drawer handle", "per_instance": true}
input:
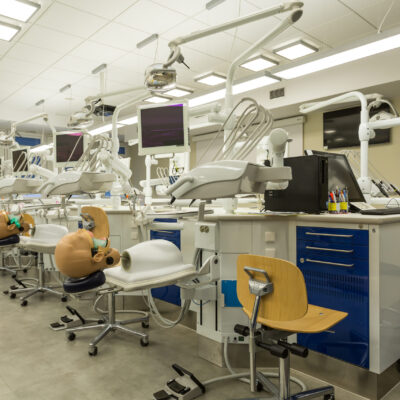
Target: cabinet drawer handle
{"points": [[329, 234], [325, 249], [329, 263]]}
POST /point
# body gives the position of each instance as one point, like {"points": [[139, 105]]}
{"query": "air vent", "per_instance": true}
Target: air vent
{"points": [[274, 94]]}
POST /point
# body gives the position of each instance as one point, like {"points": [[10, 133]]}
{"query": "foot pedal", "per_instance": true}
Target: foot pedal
{"points": [[66, 319], [56, 326]]}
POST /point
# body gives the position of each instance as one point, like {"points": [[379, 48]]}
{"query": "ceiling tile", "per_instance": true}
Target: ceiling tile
{"points": [[352, 28], [61, 77], [150, 17], [134, 62], [17, 79], [100, 53], [103, 8], [50, 39], [186, 7], [119, 36], [71, 21], [185, 27], [4, 46], [33, 54], [20, 66], [76, 64]]}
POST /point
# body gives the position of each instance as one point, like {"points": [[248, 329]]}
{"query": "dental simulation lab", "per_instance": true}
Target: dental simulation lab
{"points": [[199, 199]]}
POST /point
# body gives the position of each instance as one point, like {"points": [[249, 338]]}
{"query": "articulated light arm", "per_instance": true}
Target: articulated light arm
{"points": [[43, 116], [174, 44], [113, 93]]}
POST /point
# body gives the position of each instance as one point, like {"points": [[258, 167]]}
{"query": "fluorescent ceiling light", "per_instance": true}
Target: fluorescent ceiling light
{"points": [[357, 53], [157, 99], [238, 88], [8, 31], [296, 49], [129, 121], [211, 78], [20, 10], [179, 92], [258, 63], [102, 129]]}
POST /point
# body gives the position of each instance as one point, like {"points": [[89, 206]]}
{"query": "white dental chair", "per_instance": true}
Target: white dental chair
{"points": [[43, 241], [147, 265]]}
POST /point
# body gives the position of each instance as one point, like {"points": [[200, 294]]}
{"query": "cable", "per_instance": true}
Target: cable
{"points": [[385, 16]]}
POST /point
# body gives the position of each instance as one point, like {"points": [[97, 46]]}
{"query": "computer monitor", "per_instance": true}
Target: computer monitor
{"points": [[163, 128], [341, 175], [20, 160], [68, 148]]}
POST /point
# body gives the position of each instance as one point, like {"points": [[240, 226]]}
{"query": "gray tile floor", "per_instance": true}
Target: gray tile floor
{"points": [[37, 363]]}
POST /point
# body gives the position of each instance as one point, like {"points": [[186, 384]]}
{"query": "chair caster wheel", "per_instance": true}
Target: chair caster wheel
{"points": [[144, 342], [329, 397], [71, 336], [13, 276], [25, 270], [101, 321], [5, 292], [145, 325], [93, 351], [13, 295], [259, 387], [64, 299], [24, 303]]}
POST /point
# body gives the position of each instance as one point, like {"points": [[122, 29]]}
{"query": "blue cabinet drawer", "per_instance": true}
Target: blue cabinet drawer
{"points": [[340, 251], [333, 235]]}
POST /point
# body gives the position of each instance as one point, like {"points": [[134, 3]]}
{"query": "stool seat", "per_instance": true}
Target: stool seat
{"points": [[92, 281], [44, 239], [9, 241]]}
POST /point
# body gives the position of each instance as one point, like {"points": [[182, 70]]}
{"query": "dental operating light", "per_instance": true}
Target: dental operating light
{"points": [[296, 49], [258, 63], [21, 10], [8, 31]]}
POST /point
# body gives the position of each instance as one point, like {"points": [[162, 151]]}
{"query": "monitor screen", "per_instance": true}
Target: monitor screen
{"points": [[341, 128], [69, 147], [20, 160], [162, 129], [341, 175]]}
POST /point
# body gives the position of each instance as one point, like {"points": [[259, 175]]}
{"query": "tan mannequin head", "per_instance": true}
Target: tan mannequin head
{"points": [[8, 229]]}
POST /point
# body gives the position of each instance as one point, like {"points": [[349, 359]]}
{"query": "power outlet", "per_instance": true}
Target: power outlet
{"points": [[274, 94]]}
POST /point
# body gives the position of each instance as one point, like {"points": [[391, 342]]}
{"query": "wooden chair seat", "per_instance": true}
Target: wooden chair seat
{"points": [[316, 320]]}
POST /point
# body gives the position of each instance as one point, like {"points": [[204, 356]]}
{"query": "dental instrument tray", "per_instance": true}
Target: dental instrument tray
{"points": [[381, 211]]}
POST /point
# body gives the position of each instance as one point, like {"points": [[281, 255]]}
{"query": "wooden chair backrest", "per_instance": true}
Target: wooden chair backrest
{"points": [[287, 302]]}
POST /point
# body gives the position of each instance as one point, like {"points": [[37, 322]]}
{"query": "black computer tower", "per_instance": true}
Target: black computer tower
{"points": [[308, 189]]}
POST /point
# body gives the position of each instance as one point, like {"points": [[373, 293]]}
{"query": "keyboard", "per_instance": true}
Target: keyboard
{"points": [[381, 211]]}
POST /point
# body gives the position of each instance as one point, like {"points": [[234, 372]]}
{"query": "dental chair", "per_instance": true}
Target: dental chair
{"points": [[147, 265], [43, 241], [273, 294]]}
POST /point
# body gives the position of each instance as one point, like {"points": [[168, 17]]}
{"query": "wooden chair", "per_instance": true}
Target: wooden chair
{"points": [[273, 293]]}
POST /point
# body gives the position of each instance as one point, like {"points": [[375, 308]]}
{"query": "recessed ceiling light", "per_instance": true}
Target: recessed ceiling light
{"points": [[258, 63], [102, 129], [157, 99], [8, 31], [296, 49], [129, 121], [343, 57], [179, 92], [21, 10], [211, 78]]}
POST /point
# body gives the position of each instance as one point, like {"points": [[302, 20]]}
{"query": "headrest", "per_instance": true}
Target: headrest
{"points": [[152, 254]]}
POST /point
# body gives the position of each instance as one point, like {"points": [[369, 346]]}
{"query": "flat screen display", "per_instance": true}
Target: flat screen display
{"points": [[341, 128], [162, 126], [341, 175], [20, 160], [69, 147]]}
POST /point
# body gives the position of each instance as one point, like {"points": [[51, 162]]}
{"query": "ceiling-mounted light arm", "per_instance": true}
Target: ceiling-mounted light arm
{"points": [[100, 96], [175, 54], [43, 116], [286, 23]]}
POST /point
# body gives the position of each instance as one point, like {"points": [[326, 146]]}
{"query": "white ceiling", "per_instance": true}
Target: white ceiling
{"points": [[68, 38]]}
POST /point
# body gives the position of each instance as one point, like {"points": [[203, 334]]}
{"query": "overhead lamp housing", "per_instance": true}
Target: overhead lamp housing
{"points": [[8, 31], [258, 63], [20, 10], [211, 78], [293, 50], [159, 78]]}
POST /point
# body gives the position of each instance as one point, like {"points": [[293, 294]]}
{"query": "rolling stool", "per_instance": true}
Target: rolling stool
{"points": [[93, 281], [8, 244], [43, 241]]}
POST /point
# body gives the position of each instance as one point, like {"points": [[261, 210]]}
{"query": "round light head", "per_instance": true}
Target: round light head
{"points": [[159, 78]]}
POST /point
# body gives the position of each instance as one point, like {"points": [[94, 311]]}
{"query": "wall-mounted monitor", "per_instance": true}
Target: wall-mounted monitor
{"points": [[163, 128], [341, 128], [20, 160], [69, 147]]}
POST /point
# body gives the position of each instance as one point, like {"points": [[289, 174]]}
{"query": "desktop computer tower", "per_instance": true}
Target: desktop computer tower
{"points": [[308, 189]]}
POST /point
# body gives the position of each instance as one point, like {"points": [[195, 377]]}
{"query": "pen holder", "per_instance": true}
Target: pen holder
{"points": [[333, 208], [344, 207]]}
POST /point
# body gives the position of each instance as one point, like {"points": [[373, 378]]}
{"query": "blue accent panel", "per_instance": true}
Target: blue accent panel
{"points": [[228, 288], [343, 288], [170, 293], [25, 141], [122, 150]]}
